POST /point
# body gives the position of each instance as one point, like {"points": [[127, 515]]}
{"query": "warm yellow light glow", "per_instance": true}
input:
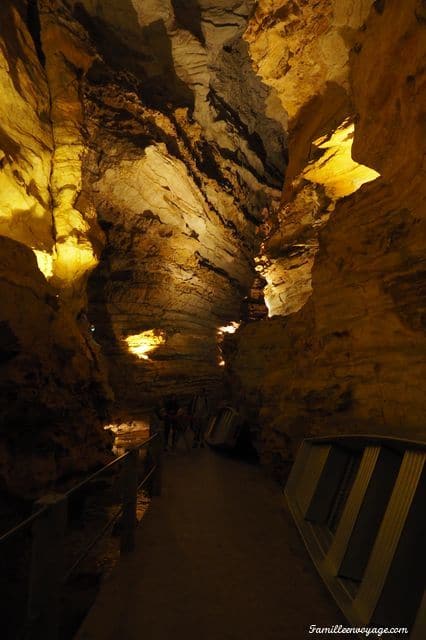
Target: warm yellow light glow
{"points": [[230, 328], [127, 427], [73, 259], [145, 342], [267, 304], [335, 169], [44, 262]]}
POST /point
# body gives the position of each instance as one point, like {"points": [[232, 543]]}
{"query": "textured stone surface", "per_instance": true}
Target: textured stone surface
{"points": [[25, 136], [143, 145], [184, 158], [142, 129], [52, 389], [350, 356], [52, 381], [68, 56], [303, 53]]}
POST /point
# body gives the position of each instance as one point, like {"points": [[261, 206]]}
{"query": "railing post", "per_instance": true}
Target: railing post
{"points": [[130, 492], [157, 450], [47, 567]]}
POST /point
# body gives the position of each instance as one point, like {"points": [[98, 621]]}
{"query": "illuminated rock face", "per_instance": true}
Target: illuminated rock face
{"points": [[345, 351], [174, 265], [303, 53], [68, 55], [288, 253], [138, 148], [26, 141], [143, 146], [52, 384], [42, 142], [185, 155]]}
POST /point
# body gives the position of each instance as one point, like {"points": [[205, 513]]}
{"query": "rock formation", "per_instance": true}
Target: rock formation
{"points": [[53, 384], [184, 155], [144, 214], [345, 348], [138, 153]]}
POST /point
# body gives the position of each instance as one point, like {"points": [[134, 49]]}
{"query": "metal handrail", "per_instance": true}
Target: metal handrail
{"points": [[47, 551], [110, 464], [93, 544], [108, 526], [25, 523], [147, 477]]}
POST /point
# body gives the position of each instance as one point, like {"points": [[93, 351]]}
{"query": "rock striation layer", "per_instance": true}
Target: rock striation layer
{"points": [[184, 157], [53, 386], [138, 152], [345, 350], [143, 217]]}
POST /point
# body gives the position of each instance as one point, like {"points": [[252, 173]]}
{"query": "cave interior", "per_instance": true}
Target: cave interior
{"points": [[225, 195]]}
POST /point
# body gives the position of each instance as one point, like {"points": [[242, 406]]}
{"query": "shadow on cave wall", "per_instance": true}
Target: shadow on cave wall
{"points": [[147, 54], [239, 96], [188, 15], [15, 48], [120, 363]]}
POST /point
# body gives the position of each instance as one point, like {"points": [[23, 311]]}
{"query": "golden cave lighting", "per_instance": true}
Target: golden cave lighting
{"points": [[44, 262], [336, 169], [141, 344], [230, 328], [268, 304], [73, 259]]}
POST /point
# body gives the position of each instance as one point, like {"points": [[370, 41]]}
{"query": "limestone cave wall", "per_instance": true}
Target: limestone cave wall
{"points": [[144, 215], [184, 155], [139, 150], [52, 381], [344, 347]]}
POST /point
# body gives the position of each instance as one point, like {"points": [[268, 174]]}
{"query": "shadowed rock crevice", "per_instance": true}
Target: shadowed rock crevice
{"points": [[144, 147], [34, 27], [150, 61], [188, 15]]}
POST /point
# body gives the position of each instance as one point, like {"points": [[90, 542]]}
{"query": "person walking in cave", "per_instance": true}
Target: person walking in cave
{"points": [[182, 424], [200, 413], [157, 421], [171, 409]]}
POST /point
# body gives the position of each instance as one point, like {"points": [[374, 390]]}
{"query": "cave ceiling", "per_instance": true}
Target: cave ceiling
{"points": [[176, 112], [144, 155], [170, 167]]}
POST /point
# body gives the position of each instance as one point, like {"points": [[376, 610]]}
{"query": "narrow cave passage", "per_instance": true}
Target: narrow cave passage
{"points": [[216, 566], [218, 202]]}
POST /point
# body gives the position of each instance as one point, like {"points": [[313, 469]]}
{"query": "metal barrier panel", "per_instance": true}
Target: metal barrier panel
{"points": [[358, 502], [352, 508], [389, 534], [314, 462]]}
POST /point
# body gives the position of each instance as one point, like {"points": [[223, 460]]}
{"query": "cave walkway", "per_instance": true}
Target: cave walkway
{"points": [[217, 558]]}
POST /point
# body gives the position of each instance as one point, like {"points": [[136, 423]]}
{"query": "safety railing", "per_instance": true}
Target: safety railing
{"points": [[47, 528], [359, 503]]}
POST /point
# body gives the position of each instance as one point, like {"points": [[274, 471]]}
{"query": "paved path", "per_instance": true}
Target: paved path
{"points": [[218, 558]]}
